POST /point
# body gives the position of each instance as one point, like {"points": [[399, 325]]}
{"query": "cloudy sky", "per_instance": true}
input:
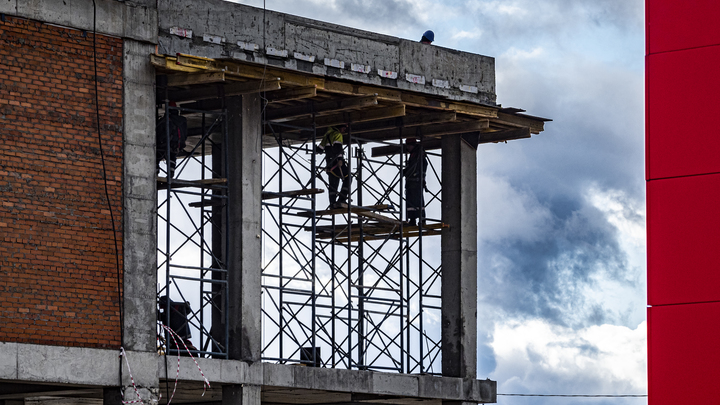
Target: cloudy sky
{"points": [[562, 215]]}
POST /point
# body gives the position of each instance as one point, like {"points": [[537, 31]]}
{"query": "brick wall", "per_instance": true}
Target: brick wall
{"points": [[58, 274]]}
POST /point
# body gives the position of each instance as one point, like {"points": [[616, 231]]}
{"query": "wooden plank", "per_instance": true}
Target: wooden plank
{"points": [[252, 70], [295, 93], [378, 217], [383, 93], [476, 110], [354, 209], [536, 125], [343, 104], [233, 89], [170, 63], [389, 150], [189, 79], [266, 195], [354, 116], [506, 135], [406, 121], [207, 203], [429, 131], [177, 183]]}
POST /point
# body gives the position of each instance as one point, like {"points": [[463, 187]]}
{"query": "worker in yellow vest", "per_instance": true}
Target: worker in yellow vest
{"points": [[336, 168]]}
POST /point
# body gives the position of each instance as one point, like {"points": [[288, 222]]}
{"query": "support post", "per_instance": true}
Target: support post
{"points": [[459, 258], [244, 227]]}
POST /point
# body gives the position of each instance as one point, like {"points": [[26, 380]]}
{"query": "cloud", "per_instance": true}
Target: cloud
{"points": [[536, 357]]}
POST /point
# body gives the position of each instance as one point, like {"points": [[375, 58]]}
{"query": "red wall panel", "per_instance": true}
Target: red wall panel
{"points": [[683, 239], [682, 110], [683, 354], [673, 24]]}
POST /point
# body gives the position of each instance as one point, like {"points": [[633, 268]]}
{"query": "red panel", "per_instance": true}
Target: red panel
{"points": [[673, 24], [683, 103], [683, 225], [683, 354]]}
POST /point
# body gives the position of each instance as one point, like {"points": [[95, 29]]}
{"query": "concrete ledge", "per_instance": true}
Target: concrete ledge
{"points": [[115, 18]]}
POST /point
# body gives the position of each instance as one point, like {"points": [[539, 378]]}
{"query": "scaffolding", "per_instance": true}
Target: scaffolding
{"points": [[347, 287], [192, 269]]}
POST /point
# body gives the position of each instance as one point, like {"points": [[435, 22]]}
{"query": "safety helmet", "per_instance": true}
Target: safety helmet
{"points": [[429, 35]]}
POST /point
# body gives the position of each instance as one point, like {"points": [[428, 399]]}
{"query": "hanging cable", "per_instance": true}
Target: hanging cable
{"points": [[577, 395], [105, 182]]}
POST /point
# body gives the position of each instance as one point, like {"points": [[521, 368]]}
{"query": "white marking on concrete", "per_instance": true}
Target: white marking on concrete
{"points": [[181, 32], [360, 68], [417, 79], [335, 63], [248, 46], [306, 58], [443, 84], [213, 39], [276, 52], [387, 74], [468, 89]]}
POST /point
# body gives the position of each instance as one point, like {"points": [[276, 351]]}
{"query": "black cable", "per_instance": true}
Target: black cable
{"points": [[105, 182], [576, 395]]}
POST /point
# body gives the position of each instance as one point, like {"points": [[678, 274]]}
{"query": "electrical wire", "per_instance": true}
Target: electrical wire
{"points": [[105, 182], [577, 395]]}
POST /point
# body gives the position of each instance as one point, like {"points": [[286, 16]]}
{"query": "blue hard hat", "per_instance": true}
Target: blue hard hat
{"points": [[429, 35]]}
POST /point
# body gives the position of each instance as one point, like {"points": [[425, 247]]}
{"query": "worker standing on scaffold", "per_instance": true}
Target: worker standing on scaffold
{"points": [[414, 173], [332, 146]]}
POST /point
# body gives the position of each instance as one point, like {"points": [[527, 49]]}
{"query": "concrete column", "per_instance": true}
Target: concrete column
{"points": [[459, 258], [244, 152], [241, 394], [139, 216]]}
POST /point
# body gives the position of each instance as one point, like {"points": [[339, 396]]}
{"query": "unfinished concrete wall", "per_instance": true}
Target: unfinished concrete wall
{"points": [[220, 29], [58, 274]]}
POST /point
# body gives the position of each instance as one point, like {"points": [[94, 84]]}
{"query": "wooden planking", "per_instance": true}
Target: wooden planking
{"points": [[266, 195], [345, 117], [536, 125], [189, 79], [170, 63], [506, 135], [177, 183], [429, 130], [343, 104], [406, 121], [233, 89], [251, 70], [353, 209], [289, 94]]}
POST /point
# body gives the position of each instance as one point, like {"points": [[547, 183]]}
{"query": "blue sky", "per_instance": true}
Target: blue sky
{"points": [[562, 215]]}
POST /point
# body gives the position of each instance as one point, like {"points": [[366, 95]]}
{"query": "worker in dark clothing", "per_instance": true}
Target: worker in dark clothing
{"points": [[428, 37], [414, 173], [176, 138], [332, 146]]}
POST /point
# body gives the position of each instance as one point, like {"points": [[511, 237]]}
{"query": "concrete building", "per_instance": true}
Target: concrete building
{"points": [[81, 87]]}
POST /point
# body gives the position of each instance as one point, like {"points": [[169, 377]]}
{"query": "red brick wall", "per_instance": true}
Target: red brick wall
{"points": [[58, 274]]}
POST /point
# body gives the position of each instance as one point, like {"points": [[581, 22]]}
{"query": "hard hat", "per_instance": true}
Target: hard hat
{"points": [[429, 35]]}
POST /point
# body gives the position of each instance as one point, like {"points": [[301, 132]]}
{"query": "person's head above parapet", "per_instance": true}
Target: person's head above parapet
{"points": [[428, 37]]}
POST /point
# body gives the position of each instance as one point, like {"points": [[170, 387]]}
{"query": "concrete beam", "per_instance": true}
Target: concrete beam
{"points": [[131, 19], [244, 227], [241, 394], [459, 259]]}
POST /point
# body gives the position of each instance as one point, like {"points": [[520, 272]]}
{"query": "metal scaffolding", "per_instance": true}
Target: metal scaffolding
{"points": [[348, 287], [192, 269]]}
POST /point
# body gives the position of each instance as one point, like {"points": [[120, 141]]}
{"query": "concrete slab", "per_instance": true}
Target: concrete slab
{"points": [[278, 375], [440, 387], [70, 365], [395, 384], [8, 361]]}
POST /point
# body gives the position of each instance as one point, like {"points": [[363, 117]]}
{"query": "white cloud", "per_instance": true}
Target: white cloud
{"points": [[535, 357]]}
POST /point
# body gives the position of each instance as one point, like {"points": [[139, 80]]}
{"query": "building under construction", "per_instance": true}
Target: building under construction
{"points": [[167, 220]]}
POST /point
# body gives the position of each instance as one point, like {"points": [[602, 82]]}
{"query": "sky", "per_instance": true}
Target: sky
{"points": [[561, 216]]}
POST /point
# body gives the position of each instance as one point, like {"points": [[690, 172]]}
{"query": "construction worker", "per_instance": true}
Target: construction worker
{"points": [[414, 173], [428, 37], [332, 146], [176, 138]]}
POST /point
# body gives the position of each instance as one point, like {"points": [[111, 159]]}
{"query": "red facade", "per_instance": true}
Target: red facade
{"points": [[683, 196]]}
